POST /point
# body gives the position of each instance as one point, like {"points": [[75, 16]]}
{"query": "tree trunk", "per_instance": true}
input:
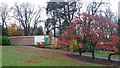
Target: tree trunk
{"points": [[54, 31], [92, 47], [93, 55], [60, 26], [109, 56], [25, 32], [80, 51]]}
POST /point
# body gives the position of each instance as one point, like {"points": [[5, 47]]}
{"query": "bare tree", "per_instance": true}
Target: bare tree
{"points": [[97, 6], [36, 18], [102, 9], [4, 17], [27, 16], [110, 15]]}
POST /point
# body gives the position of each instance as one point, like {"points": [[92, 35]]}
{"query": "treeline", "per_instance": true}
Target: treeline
{"points": [[60, 15], [25, 19]]}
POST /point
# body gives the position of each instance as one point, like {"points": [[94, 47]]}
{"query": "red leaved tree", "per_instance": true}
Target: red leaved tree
{"points": [[111, 44], [91, 29]]}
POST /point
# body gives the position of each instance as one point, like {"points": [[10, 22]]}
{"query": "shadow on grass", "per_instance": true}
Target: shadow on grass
{"points": [[90, 60]]}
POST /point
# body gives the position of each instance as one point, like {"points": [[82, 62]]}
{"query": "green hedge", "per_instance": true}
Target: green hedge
{"points": [[5, 40]]}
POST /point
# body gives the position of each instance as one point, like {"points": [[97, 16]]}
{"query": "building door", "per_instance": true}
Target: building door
{"points": [[46, 40]]}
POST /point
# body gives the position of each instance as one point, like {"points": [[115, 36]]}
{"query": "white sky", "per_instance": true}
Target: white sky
{"points": [[11, 2], [42, 3], [114, 3]]}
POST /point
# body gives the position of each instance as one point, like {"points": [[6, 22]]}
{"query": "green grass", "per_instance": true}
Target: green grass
{"points": [[22, 56], [0, 56], [104, 54]]}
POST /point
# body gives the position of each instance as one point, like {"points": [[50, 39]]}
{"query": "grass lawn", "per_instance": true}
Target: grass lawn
{"points": [[0, 56], [103, 54], [23, 56]]}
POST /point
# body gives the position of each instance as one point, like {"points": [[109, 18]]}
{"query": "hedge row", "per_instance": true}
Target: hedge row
{"points": [[4, 40]]}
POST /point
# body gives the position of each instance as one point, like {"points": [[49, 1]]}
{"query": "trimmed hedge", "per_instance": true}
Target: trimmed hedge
{"points": [[5, 40]]}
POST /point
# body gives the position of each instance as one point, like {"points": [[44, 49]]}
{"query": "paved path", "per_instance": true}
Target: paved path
{"points": [[116, 60]]}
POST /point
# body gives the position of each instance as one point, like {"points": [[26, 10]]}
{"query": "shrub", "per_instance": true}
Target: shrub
{"points": [[5, 40], [73, 47], [56, 45], [38, 44], [42, 44]]}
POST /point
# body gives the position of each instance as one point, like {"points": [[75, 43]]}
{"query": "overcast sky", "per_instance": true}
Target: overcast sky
{"points": [[114, 3], [42, 3]]}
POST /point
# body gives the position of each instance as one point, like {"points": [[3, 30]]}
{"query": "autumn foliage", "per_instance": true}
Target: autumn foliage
{"points": [[13, 30], [80, 45], [110, 44], [95, 30], [64, 42]]}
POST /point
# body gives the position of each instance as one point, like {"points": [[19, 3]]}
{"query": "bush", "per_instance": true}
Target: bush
{"points": [[56, 45], [73, 47], [5, 40], [42, 44], [38, 44]]}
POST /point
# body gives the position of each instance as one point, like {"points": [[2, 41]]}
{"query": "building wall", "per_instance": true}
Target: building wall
{"points": [[30, 40], [38, 39], [41, 39], [27, 40], [22, 40]]}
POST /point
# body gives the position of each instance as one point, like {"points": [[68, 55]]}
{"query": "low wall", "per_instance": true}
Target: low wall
{"points": [[22, 40]]}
